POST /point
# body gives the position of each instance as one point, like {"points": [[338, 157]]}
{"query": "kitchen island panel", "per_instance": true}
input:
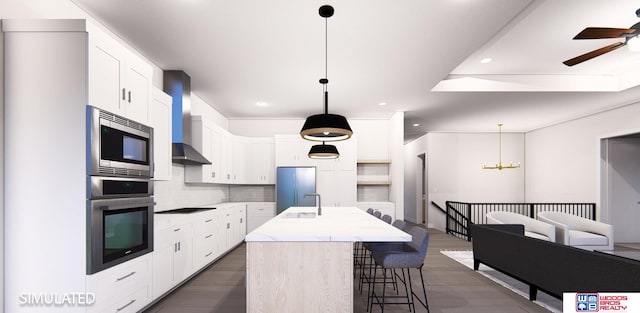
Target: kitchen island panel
{"points": [[299, 276]]}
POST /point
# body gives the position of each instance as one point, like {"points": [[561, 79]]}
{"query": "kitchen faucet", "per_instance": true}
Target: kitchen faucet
{"points": [[319, 201]]}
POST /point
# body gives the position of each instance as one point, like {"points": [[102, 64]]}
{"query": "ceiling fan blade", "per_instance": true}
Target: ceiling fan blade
{"points": [[593, 54], [603, 32]]}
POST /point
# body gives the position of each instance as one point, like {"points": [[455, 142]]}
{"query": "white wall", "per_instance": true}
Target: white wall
{"points": [[412, 177], [563, 161], [45, 210], [1, 171], [265, 127], [199, 107], [396, 168], [454, 170]]}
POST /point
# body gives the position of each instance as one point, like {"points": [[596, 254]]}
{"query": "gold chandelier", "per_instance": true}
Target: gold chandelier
{"points": [[499, 165]]}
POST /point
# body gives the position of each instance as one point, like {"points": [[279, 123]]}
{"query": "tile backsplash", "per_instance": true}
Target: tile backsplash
{"points": [[252, 193], [176, 194]]}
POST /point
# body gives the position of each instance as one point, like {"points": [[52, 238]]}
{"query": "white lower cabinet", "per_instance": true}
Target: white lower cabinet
{"points": [[206, 238], [232, 225], [173, 256], [241, 219], [122, 288], [259, 213], [186, 243]]}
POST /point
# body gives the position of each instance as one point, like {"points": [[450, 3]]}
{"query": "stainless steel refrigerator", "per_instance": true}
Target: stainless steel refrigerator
{"points": [[292, 183]]}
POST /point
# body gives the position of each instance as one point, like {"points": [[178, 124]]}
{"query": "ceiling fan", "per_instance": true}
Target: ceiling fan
{"points": [[629, 34]]}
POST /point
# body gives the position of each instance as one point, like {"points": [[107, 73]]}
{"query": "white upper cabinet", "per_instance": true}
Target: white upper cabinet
{"points": [[240, 147], [260, 161], [226, 152], [292, 150], [119, 81], [161, 123]]}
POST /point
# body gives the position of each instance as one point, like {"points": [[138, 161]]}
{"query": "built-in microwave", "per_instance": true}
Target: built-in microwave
{"points": [[120, 229], [117, 146]]}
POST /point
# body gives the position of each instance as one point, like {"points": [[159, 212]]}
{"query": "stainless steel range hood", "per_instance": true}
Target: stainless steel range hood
{"points": [[178, 85]]}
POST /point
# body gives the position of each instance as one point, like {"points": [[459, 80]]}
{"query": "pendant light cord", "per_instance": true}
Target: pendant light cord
{"points": [[326, 62], [326, 44]]}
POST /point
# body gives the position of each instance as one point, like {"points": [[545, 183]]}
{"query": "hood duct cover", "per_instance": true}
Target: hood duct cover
{"points": [[178, 85]]}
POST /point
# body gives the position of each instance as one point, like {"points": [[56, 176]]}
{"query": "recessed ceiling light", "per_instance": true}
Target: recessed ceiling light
{"points": [[382, 104], [486, 60], [262, 104], [416, 125]]}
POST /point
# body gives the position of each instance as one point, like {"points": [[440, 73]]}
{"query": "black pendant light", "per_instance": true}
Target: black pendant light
{"points": [[326, 127], [324, 152]]}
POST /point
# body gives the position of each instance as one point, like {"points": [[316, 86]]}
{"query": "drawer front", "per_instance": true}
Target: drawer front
{"points": [[206, 250], [121, 279], [206, 226], [127, 303], [261, 210]]}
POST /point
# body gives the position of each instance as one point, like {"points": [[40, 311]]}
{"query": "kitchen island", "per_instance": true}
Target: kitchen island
{"points": [[300, 262]]}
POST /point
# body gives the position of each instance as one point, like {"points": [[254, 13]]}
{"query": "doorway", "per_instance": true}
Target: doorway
{"points": [[621, 186], [422, 188]]}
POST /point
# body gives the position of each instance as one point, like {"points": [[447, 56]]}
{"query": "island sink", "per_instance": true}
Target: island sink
{"points": [[300, 215]]}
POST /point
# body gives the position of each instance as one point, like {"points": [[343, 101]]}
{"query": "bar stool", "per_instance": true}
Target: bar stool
{"points": [[377, 246], [358, 252], [411, 256], [387, 218], [377, 214]]}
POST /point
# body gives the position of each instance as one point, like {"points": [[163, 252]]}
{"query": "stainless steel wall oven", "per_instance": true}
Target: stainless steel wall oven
{"points": [[120, 229], [119, 190]]}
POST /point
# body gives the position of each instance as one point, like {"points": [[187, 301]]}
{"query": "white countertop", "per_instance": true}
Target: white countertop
{"points": [[335, 224]]}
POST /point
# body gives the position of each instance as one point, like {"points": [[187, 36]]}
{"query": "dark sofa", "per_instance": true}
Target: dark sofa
{"points": [[551, 267]]}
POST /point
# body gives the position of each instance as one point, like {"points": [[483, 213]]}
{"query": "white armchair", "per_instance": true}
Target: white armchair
{"points": [[532, 227], [579, 232]]}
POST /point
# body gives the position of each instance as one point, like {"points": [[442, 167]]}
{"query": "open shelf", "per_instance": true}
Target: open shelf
{"points": [[374, 161], [374, 183]]}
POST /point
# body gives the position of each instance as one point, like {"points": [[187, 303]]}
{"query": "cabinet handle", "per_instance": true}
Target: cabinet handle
{"points": [[177, 229], [208, 236], [213, 174], [126, 305], [228, 225], [209, 220], [123, 92], [208, 254], [129, 96], [241, 220], [178, 245], [228, 176], [175, 247], [126, 276]]}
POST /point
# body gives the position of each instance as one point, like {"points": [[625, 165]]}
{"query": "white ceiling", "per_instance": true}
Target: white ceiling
{"points": [[418, 56]]}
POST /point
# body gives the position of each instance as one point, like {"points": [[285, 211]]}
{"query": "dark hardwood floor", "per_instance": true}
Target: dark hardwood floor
{"points": [[451, 287]]}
